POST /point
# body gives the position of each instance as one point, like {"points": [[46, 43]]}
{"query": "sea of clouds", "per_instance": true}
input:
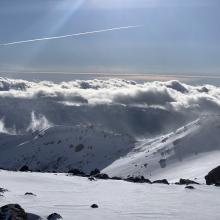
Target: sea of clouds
{"points": [[140, 109]]}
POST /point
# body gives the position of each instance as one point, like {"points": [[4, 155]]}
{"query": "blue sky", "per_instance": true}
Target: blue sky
{"points": [[176, 37]]}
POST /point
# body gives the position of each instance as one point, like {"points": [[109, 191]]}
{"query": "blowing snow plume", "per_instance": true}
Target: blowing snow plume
{"points": [[38, 123], [116, 105], [2, 127]]}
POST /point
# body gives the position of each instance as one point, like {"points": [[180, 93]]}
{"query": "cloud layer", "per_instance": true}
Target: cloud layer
{"points": [[118, 105]]}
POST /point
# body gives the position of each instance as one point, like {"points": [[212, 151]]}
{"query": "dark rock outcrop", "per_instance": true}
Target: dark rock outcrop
{"points": [[76, 172], [102, 176], [54, 216], [217, 184], [24, 168], [189, 187], [163, 181], [213, 177], [29, 194], [94, 206], [91, 178], [79, 148], [12, 212], [186, 182], [94, 172], [116, 178], [137, 179], [2, 190]]}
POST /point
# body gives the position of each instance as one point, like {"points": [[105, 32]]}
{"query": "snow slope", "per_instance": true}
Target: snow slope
{"points": [[71, 197], [190, 152]]}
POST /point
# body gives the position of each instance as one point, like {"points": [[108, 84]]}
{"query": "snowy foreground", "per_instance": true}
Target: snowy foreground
{"points": [[72, 197]]}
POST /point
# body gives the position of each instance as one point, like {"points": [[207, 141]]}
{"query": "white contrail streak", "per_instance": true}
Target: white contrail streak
{"points": [[69, 35]]}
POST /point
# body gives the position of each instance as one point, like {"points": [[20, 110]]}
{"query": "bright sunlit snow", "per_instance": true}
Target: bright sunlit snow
{"points": [[72, 197]]}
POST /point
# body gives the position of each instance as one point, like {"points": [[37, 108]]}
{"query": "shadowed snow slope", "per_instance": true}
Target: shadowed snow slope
{"points": [[72, 197], [60, 148]]}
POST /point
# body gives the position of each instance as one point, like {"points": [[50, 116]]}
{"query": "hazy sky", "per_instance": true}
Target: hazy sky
{"points": [[176, 37]]}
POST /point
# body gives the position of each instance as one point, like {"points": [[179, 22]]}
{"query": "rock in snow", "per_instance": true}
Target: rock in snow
{"points": [[213, 177], [190, 187], [76, 172], [94, 172], [2, 190], [54, 216], [29, 194], [24, 168], [94, 206], [186, 182], [163, 181], [12, 212]]}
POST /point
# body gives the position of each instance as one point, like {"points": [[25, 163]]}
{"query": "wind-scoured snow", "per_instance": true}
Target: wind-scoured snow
{"points": [[72, 197]]}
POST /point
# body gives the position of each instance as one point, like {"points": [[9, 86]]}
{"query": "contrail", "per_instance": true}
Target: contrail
{"points": [[69, 35]]}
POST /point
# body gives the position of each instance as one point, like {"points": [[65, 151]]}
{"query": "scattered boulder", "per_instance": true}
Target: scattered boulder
{"points": [[76, 172], [2, 190], [79, 147], [186, 182], [94, 172], [137, 179], [54, 216], [163, 181], [213, 177], [29, 194], [189, 187], [217, 184], [12, 212], [94, 206], [24, 168], [31, 216], [91, 178]]}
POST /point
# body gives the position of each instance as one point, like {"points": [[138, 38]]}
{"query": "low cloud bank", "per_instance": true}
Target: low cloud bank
{"points": [[118, 105]]}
